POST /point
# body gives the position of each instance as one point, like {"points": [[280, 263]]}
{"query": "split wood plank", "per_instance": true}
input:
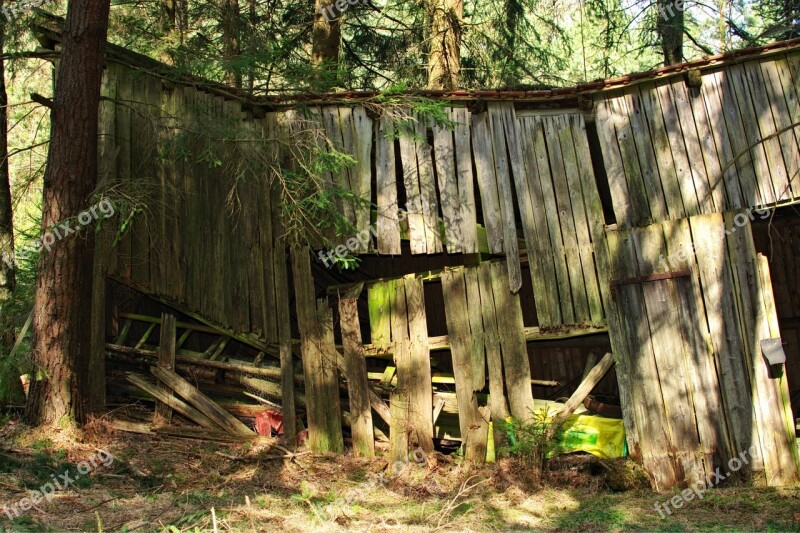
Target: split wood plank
{"points": [[612, 158], [411, 181], [497, 398], [341, 179], [477, 349], [201, 402], [637, 191], [516, 365], [172, 402], [445, 158], [663, 153], [123, 135], [166, 360], [388, 223], [319, 359], [467, 215], [709, 244], [487, 182], [501, 121], [429, 203], [355, 372], [474, 429]]}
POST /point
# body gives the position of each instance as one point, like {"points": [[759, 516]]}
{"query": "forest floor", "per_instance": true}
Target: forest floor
{"points": [[166, 484]]}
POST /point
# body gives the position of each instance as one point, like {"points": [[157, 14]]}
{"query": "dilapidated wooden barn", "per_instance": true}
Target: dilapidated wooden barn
{"points": [[503, 247]]}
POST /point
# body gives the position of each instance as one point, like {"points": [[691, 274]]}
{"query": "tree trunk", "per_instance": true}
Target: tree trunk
{"points": [[231, 42], [325, 40], [445, 56], [6, 214], [670, 29], [58, 387]]}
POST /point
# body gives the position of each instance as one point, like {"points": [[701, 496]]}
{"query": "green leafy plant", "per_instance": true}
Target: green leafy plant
{"points": [[532, 441]]}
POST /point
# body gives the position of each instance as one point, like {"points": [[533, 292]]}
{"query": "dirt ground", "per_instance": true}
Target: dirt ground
{"points": [[167, 484]]}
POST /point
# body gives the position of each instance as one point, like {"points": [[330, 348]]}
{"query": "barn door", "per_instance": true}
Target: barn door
{"points": [[657, 321]]}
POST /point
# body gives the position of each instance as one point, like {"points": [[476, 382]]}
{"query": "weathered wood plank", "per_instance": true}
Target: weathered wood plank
{"points": [[579, 216], [564, 217], [612, 159], [444, 155], [166, 360], [420, 391], [487, 182], [467, 216], [387, 224], [355, 372], [473, 428], [663, 152], [728, 352], [683, 170], [551, 212], [744, 163], [737, 79], [427, 189], [644, 147], [516, 365], [319, 359], [589, 382], [477, 353], [784, 118], [710, 94], [539, 250], [500, 129], [362, 173], [497, 398], [414, 205], [765, 109], [709, 199]]}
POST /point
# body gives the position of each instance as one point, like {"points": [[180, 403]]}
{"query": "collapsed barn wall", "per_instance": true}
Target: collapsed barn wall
{"points": [[517, 184]]}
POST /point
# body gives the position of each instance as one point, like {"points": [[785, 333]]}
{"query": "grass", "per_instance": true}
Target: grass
{"points": [[172, 485]]}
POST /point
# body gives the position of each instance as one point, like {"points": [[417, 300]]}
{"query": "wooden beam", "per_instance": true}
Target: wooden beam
{"points": [[201, 402], [583, 390], [171, 401]]}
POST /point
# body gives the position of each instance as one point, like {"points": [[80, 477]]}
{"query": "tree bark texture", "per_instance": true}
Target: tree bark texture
{"points": [[444, 62]]}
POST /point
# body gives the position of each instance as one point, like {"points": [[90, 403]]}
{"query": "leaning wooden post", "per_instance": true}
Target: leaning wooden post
{"points": [[319, 360], [589, 382], [285, 345], [166, 360], [355, 372]]}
